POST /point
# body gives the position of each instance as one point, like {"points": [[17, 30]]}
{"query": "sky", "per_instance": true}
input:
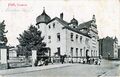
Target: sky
{"points": [[20, 14]]}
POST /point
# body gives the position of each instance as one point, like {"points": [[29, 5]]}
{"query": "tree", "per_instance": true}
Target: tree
{"points": [[31, 39], [3, 38]]}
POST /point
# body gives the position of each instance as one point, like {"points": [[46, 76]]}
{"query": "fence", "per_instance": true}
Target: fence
{"points": [[17, 62]]}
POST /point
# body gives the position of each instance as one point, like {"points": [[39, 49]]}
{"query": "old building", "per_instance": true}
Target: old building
{"points": [[108, 47], [119, 52], [69, 38]]}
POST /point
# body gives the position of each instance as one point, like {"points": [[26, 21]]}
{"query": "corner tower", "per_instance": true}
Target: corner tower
{"points": [[42, 21]]}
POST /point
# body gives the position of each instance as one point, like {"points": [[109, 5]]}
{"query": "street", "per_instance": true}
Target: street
{"points": [[107, 68]]}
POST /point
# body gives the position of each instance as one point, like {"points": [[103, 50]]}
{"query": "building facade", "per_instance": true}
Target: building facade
{"points": [[69, 38], [119, 52], [108, 47]]}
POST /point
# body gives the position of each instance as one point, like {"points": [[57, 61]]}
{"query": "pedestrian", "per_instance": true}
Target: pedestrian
{"points": [[62, 59], [46, 62], [93, 60], [83, 61], [99, 61], [52, 60], [69, 59], [96, 61]]}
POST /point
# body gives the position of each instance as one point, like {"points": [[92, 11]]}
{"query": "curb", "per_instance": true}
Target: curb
{"points": [[28, 69]]}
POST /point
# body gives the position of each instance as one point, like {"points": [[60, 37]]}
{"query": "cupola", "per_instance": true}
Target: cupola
{"points": [[74, 21], [43, 18]]}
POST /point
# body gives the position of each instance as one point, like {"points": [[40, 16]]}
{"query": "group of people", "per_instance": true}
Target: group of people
{"points": [[62, 59], [96, 61]]}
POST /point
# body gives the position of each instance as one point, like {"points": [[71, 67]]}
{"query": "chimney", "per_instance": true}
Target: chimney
{"points": [[61, 16], [93, 18]]}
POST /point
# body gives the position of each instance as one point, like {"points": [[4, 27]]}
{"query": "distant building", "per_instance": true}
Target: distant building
{"points": [[69, 38], [108, 47], [119, 52]]}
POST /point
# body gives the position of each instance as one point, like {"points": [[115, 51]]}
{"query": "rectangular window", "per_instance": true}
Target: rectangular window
{"points": [[53, 25], [71, 51], [86, 41], [71, 36], [80, 52], [76, 37], [76, 52], [49, 39], [80, 39], [0, 54], [58, 49], [58, 36], [94, 53], [91, 53]]}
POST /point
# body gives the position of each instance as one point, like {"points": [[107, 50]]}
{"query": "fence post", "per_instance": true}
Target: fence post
{"points": [[34, 57], [3, 58]]}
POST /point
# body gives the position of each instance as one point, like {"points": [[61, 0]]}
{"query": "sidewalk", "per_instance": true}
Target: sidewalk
{"points": [[30, 69]]}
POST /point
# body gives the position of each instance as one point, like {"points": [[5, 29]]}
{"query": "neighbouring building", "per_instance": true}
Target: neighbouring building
{"points": [[108, 47], [69, 38], [119, 52]]}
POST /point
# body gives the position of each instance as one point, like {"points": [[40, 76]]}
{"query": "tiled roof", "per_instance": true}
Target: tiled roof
{"points": [[76, 30], [66, 25], [85, 25]]}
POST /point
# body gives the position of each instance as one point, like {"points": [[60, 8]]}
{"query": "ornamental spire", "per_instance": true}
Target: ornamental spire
{"points": [[93, 18], [43, 9]]}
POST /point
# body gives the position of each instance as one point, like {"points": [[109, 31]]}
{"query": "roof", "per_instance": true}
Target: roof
{"points": [[66, 26], [74, 21], [43, 18], [64, 23], [76, 30], [85, 25]]}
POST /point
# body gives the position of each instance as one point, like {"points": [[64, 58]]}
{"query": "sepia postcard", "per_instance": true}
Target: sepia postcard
{"points": [[59, 38]]}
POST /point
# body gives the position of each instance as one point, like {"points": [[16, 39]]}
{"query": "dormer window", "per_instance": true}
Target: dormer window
{"points": [[49, 26], [73, 26]]}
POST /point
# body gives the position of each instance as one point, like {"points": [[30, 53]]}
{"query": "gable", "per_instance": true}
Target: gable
{"points": [[64, 23]]}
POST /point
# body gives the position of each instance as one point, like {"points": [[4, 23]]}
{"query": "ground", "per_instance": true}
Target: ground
{"points": [[106, 69]]}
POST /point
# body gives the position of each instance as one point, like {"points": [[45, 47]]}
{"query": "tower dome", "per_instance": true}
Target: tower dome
{"points": [[74, 21], [43, 18]]}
